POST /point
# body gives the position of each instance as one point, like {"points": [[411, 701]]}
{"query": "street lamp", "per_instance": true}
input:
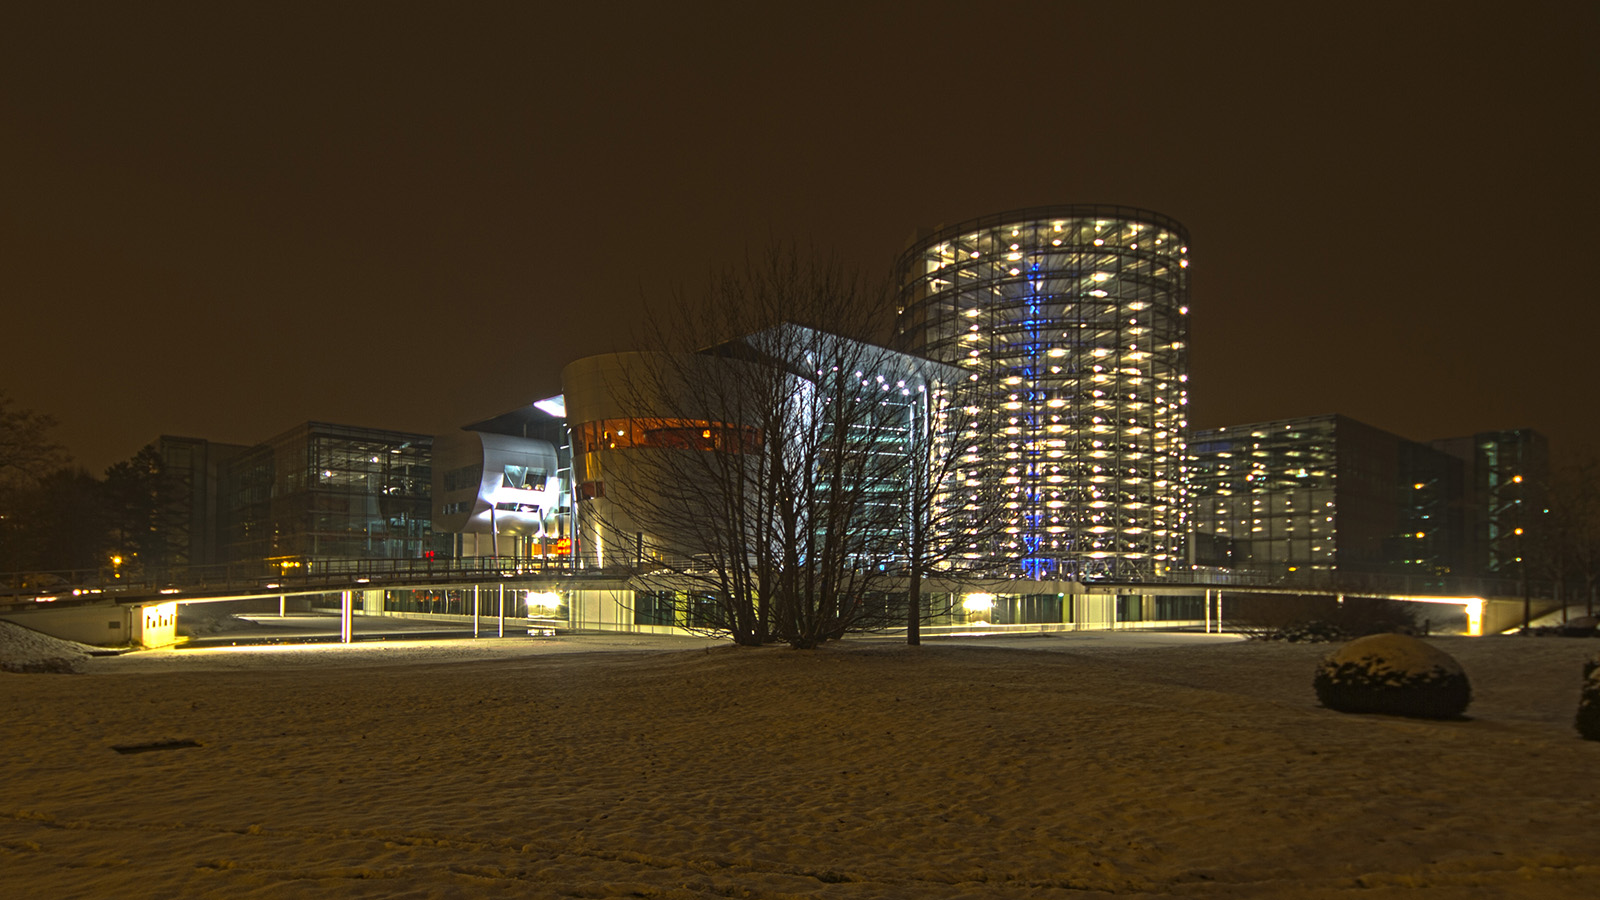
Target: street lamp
{"points": [[1522, 567]]}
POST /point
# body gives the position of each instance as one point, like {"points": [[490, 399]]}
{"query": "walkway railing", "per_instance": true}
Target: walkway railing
{"points": [[1324, 582], [300, 574], [289, 575]]}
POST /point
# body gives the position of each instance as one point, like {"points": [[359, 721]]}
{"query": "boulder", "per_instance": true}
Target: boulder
{"points": [[1393, 674], [1588, 722]]}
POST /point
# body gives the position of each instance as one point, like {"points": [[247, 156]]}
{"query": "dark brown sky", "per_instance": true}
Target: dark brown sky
{"points": [[222, 222]]}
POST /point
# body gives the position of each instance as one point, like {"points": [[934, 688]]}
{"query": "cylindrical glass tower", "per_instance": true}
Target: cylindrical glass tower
{"points": [[1073, 324]]}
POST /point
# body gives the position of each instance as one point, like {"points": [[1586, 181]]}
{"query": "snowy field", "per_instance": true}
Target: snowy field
{"points": [[1072, 766]]}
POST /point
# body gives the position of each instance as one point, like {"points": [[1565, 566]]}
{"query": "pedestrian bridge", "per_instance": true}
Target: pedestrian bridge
{"points": [[551, 595]]}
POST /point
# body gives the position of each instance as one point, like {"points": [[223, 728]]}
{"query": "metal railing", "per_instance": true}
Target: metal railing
{"points": [[295, 574], [337, 574]]}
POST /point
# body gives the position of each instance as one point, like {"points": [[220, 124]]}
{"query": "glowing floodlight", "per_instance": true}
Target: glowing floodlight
{"points": [[543, 600], [977, 602]]}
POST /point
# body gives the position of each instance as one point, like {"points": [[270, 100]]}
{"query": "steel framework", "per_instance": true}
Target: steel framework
{"points": [[1073, 320]]}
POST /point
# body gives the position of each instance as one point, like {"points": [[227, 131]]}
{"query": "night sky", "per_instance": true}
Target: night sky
{"points": [[222, 221]]}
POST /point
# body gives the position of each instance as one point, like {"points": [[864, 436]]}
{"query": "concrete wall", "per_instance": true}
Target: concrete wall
{"points": [[156, 625], [1502, 614], [104, 626], [101, 626]]}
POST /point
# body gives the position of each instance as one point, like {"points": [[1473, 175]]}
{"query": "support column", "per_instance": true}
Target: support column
{"points": [[283, 605], [346, 602], [502, 611], [1208, 610], [475, 607]]}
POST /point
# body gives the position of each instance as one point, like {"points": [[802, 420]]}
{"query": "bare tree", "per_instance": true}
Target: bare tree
{"points": [[28, 460], [762, 455], [953, 513], [27, 453], [1570, 538]]}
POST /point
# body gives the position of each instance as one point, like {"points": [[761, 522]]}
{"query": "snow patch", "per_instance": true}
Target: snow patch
{"points": [[25, 650]]}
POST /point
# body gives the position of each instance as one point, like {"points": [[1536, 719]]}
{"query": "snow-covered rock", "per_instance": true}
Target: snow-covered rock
{"points": [[1394, 674], [26, 650], [1589, 703]]}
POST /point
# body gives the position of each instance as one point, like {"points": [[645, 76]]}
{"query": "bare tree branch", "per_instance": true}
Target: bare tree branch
{"points": [[763, 461]]}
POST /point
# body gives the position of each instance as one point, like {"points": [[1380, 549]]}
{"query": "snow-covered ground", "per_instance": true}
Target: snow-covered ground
{"points": [[1064, 766], [26, 650]]}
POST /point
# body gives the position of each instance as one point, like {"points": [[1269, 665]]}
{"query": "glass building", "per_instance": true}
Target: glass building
{"points": [[1073, 321], [191, 471], [853, 427], [323, 491], [1507, 475], [1301, 499]]}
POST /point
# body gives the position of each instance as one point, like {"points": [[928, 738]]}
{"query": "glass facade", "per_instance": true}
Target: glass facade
{"points": [[190, 470], [1300, 498], [1263, 496], [1507, 474], [325, 491], [1511, 469], [846, 419], [1073, 321]]}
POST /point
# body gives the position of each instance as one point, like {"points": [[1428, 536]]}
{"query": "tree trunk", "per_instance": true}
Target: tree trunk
{"points": [[914, 607]]}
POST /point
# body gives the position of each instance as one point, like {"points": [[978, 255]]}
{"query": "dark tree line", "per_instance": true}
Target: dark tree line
{"points": [[1567, 553], [59, 518]]}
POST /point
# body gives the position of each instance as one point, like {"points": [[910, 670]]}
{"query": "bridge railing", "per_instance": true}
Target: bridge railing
{"points": [[1323, 581], [288, 573], [303, 573]]}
